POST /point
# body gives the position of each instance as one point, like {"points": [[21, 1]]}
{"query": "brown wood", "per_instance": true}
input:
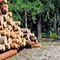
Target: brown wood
{"points": [[9, 21], [17, 29], [4, 16], [22, 44], [1, 5], [28, 42], [9, 40], [34, 38], [7, 54], [9, 27], [1, 20], [1, 27], [3, 40], [2, 32], [31, 35], [25, 30], [13, 45], [19, 41], [14, 40], [3, 1], [36, 45], [32, 43], [36, 42], [3, 47], [4, 24], [7, 33], [12, 35], [17, 36], [0, 47], [17, 22], [10, 14], [8, 46], [5, 9]]}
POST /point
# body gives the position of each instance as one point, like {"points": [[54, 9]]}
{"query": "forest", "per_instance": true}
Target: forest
{"points": [[42, 17]]}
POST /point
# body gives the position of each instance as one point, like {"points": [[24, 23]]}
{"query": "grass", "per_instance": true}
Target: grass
{"points": [[19, 54], [44, 44], [55, 35], [40, 54], [50, 44], [28, 59]]}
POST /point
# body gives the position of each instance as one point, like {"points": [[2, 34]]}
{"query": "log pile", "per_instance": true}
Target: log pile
{"points": [[11, 35]]}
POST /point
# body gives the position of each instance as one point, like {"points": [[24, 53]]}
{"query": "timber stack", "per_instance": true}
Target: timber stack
{"points": [[11, 35]]}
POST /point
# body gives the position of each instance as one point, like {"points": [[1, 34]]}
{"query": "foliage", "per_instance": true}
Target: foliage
{"points": [[45, 8]]}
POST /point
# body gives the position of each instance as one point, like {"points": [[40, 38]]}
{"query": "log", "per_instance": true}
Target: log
{"points": [[28, 42], [16, 32], [12, 35], [7, 54], [4, 16], [22, 44], [2, 32], [1, 27], [1, 20], [32, 43], [0, 35], [1, 5], [0, 47], [27, 37], [3, 47], [5, 9], [24, 41], [31, 35], [8, 46], [9, 27], [36, 42], [36, 45], [9, 21], [25, 30], [34, 38], [14, 40], [7, 33], [13, 45], [0, 12], [22, 34], [13, 24], [17, 22], [3, 1], [17, 36], [9, 40], [17, 29], [4, 24], [19, 41], [10, 14], [3, 40]]}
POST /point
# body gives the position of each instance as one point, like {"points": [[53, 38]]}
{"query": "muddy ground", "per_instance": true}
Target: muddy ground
{"points": [[48, 51]]}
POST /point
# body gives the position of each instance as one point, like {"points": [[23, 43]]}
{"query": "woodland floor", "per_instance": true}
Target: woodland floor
{"points": [[50, 50]]}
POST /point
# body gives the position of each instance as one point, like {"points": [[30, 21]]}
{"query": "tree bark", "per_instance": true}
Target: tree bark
{"points": [[54, 23], [25, 16], [39, 28], [57, 25]]}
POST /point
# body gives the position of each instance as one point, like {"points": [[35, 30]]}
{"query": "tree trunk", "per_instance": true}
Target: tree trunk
{"points": [[25, 16], [54, 23], [57, 25], [39, 28]]}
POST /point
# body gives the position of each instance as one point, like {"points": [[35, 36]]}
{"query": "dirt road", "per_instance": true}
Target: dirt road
{"points": [[48, 51]]}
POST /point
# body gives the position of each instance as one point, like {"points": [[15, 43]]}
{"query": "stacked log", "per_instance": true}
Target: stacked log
{"points": [[30, 37], [11, 35]]}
